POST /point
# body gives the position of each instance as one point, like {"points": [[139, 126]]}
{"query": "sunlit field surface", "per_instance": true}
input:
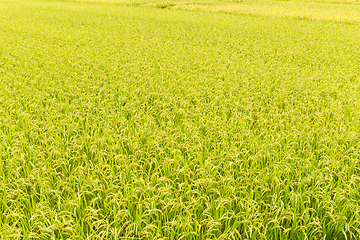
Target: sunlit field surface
{"points": [[137, 122], [346, 11]]}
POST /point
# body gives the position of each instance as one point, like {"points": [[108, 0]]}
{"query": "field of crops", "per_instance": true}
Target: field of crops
{"points": [[176, 120]]}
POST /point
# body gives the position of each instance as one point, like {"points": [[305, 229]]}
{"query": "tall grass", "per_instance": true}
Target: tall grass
{"points": [[141, 123]]}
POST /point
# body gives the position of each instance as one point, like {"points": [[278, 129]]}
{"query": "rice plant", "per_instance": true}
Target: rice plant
{"points": [[125, 122]]}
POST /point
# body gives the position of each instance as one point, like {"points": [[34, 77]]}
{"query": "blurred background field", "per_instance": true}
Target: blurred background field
{"points": [[326, 10]]}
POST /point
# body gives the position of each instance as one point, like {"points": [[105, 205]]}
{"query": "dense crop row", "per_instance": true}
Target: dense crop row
{"points": [[140, 123]]}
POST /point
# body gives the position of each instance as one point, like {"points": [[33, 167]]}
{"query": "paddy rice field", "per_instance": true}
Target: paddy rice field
{"points": [[150, 119]]}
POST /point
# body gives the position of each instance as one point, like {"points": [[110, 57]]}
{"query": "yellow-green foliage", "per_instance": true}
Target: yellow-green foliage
{"points": [[348, 13], [325, 10], [123, 122]]}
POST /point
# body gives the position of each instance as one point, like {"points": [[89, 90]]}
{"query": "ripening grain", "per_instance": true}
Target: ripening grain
{"points": [[123, 122]]}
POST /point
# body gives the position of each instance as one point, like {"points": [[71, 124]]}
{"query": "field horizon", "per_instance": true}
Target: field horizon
{"points": [[342, 11]]}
